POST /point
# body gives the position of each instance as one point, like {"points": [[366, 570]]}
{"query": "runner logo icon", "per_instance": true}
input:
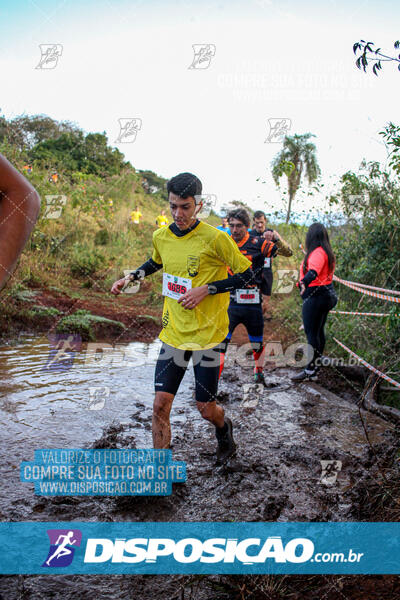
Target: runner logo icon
{"points": [[62, 547]]}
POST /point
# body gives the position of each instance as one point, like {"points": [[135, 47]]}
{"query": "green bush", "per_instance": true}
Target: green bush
{"points": [[21, 294], [85, 261], [102, 237], [82, 321], [43, 311]]}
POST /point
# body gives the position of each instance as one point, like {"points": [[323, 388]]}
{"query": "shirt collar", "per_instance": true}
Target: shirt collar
{"points": [[179, 233]]}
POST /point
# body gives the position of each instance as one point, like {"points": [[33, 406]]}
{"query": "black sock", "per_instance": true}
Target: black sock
{"points": [[220, 432]]}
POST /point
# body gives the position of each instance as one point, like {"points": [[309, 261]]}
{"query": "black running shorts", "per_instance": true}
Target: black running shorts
{"points": [[173, 362], [251, 316], [266, 285]]}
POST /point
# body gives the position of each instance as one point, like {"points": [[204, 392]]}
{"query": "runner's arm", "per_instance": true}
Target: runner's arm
{"points": [[147, 268], [150, 266], [280, 246], [19, 210], [234, 282], [269, 249], [309, 277], [227, 252], [283, 247], [240, 266]]}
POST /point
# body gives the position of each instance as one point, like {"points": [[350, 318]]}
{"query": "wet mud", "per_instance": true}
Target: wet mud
{"points": [[283, 432]]}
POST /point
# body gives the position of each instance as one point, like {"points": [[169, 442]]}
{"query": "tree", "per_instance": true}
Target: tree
{"points": [[61, 145], [370, 194], [368, 53], [26, 131], [76, 152], [391, 135], [297, 156]]}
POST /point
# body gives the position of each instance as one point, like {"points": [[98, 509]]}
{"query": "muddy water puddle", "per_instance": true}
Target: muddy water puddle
{"points": [[67, 405], [283, 432]]}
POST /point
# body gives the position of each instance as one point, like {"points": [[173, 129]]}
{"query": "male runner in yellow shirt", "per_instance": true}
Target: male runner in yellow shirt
{"points": [[194, 257], [135, 216], [162, 220]]}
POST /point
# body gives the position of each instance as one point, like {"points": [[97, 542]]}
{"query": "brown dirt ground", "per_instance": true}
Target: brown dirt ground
{"points": [[143, 321]]}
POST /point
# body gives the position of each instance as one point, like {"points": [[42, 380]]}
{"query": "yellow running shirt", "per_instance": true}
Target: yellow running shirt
{"points": [[202, 255], [135, 216], [162, 220]]}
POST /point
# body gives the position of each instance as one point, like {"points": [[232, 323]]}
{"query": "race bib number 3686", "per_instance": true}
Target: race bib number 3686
{"points": [[174, 287]]}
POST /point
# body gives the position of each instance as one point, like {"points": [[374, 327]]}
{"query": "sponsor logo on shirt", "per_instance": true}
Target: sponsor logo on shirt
{"points": [[193, 263]]}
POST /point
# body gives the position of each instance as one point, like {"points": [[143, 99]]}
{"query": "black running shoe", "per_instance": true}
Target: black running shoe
{"points": [[304, 375], [226, 445]]}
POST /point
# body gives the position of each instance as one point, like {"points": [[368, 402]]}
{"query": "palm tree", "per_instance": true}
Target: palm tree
{"points": [[296, 156]]}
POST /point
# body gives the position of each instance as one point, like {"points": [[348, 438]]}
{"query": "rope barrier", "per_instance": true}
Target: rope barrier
{"points": [[365, 285], [357, 288], [345, 312], [370, 367]]}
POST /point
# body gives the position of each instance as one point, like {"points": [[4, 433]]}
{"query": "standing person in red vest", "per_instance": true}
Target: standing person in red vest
{"points": [[317, 292]]}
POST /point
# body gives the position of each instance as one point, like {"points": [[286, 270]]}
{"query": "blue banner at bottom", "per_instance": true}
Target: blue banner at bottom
{"points": [[195, 548]]}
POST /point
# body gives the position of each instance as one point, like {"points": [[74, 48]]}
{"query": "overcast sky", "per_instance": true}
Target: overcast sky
{"points": [[273, 60]]}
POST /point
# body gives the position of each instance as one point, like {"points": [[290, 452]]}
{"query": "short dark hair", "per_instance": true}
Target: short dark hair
{"points": [[185, 185], [258, 214], [240, 214]]}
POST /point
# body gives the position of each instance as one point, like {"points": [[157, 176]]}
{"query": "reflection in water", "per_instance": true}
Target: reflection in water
{"points": [[69, 408]]}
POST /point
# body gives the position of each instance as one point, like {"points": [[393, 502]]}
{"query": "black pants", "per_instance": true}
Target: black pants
{"points": [[267, 280], [251, 316], [317, 302]]}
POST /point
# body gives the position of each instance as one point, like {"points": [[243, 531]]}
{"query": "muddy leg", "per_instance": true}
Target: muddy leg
{"points": [[212, 412], [161, 425]]}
